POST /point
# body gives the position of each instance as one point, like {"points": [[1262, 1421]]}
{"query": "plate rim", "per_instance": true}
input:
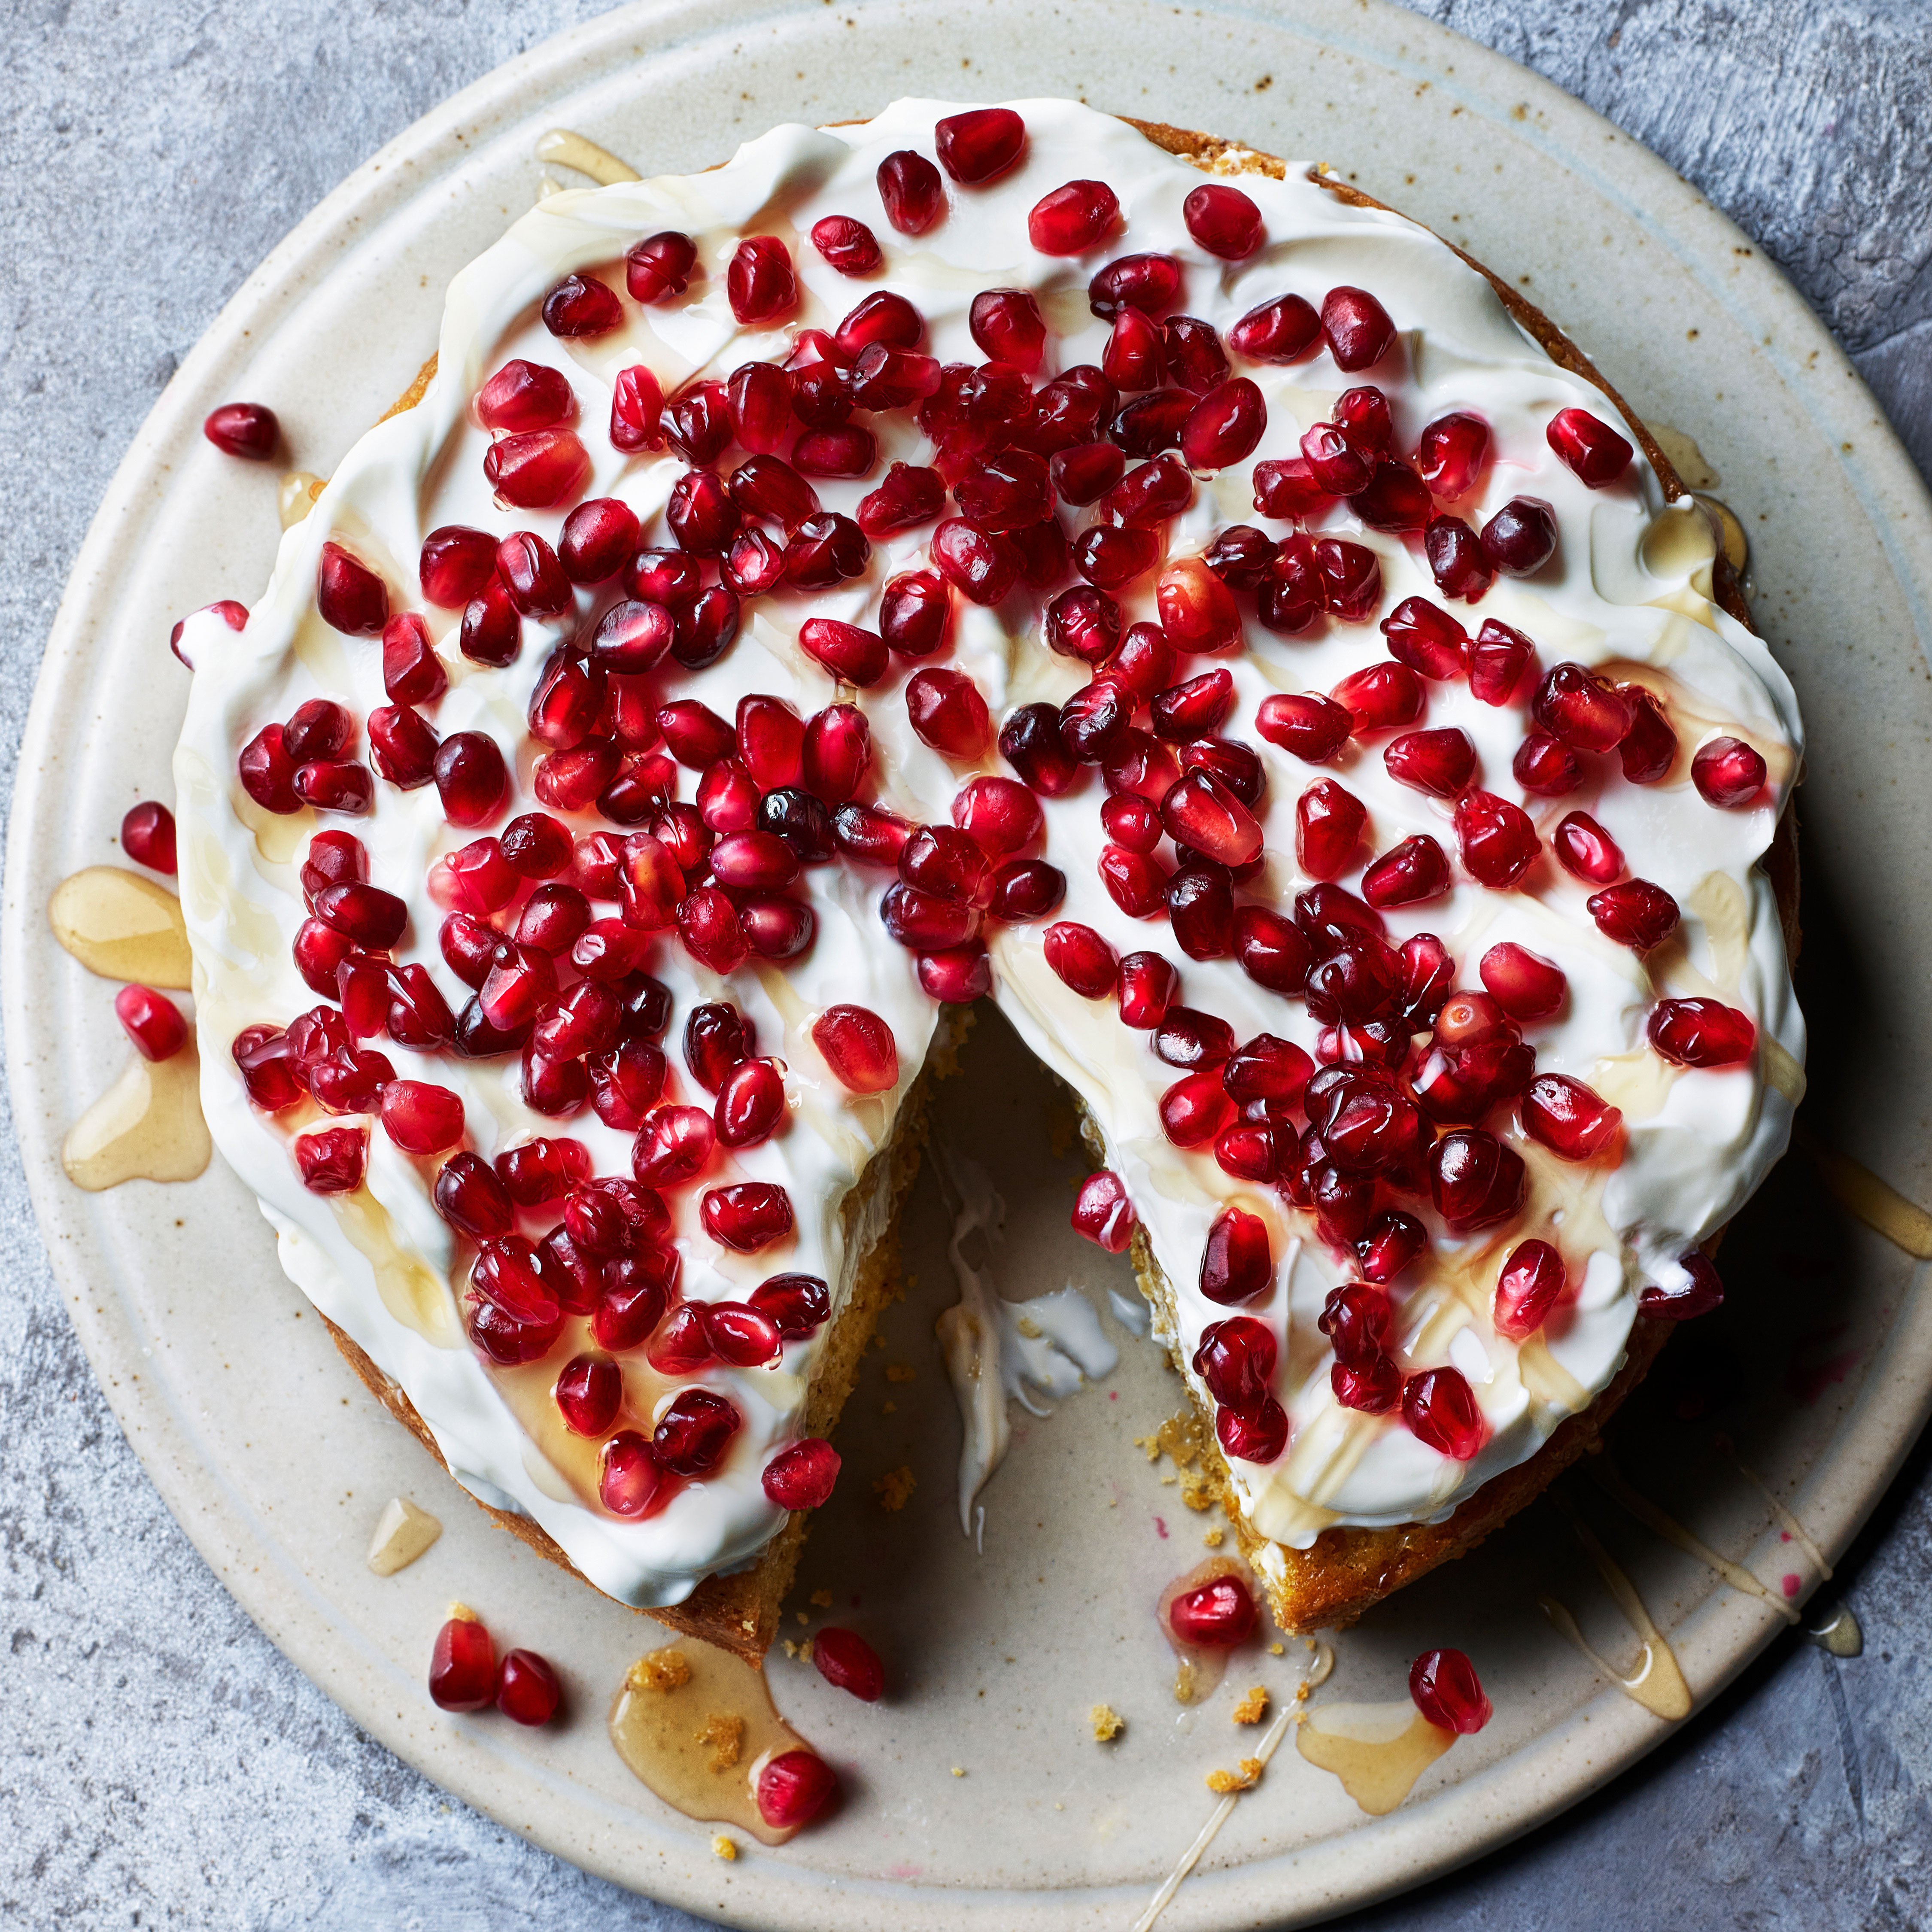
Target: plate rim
{"points": [[1413, 1844]]}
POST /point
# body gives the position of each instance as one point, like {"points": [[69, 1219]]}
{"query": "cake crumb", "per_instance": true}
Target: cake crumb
{"points": [[1198, 1490], [1108, 1723], [1030, 1328], [666, 1670], [791, 1649], [888, 1408], [900, 1372], [1215, 1537], [821, 1599], [724, 1848], [461, 1613], [1253, 1708], [1244, 1779], [801, 1616], [1277, 1650], [959, 1770], [724, 1732], [895, 1487]]}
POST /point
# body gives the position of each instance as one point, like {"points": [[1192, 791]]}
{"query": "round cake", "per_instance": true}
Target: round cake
{"points": [[1008, 553]]}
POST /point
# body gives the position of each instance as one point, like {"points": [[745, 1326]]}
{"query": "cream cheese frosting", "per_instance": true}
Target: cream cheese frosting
{"points": [[1630, 588]]}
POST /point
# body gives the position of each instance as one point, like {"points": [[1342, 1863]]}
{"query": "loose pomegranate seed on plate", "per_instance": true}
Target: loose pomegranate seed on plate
{"points": [[847, 1662], [1214, 1615], [151, 1021], [247, 429], [1589, 447], [527, 1691], [1443, 1687], [462, 1666], [802, 1477], [793, 1788], [148, 836]]}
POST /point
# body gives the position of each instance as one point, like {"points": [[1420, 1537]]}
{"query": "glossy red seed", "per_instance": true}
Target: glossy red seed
{"points": [[802, 1476], [538, 470], [1521, 538], [760, 284], [1588, 446], [1030, 741], [694, 1433], [660, 266], [1451, 452], [1328, 823], [1236, 1359], [982, 566], [1696, 1290], [630, 1476], [524, 395], [1136, 883], [247, 429], [1569, 1118], [1474, 1180], [747, 1217], [332, 1162], [637, 411], [1237, 1262], [1425, 637], [858, 1048], [589, 1394], [349, 596], [847, 245], [1073, 218], [851, 654], [1312, 727], [1201, 812], [1339, 465], [1585, 711], [527, 1691], [1223, 220], [847, 1662], [1277, 330], [1224, 426], [1213, 1615], [1443, 1687], [674, 1145], [1456, 560], [1701, 1033], [1727, 772], [793, 1788], [1649, 753], [1373, 1386], [947, 711], [1440, 1408], [462, 1666], [580, 305], [1007, 326], [148, 836], [1527, 1289], [1102, 1214], [1440, 763], [1148, 986], [1526, 985], [1407, 873], [151, 1021], [911, 191], [1635, 913], [957, 975], [1497, 840], [1356, 327], [980, 145]]}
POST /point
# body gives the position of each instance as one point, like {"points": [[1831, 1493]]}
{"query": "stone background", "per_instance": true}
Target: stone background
{"points": [[160, 1762]]}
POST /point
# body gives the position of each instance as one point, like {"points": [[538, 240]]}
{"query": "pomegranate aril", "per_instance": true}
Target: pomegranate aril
{"points": [[1589, 447], [1224, 426], [1440, 1409], [1373, 1386], [471, 779], [349, 596], [1521, 538], [267, 772], [660, 266], [1569, 1118], [1073, 218], [148, 836], [1356, 327], [1424, 637], [760, 284], [1444, 1688], [709, 925], [1648, 753], [491, 632], [674, 1144], [847, 1662], [1440, 763], [847, 245], [1636, 913], [1524, 984], [1727, 772], [247, 429], [1214, 1615], [694, 1432], [802, 1476], [1696, 1290], [1393, 499], [153, 1022], [793, 1788], [1031, 742], [1237, 1262], [1456, 559], [1416, 870], [1585, 712], [630, 1476], [1337, 464], [1474, 1180], [948, 713], [411, 673], [332, 1162], [527, 1691], [1527, 1289], [858, 1048], [537, 470], [1698, 1032], [1451, 452], [1200, 908], [1277, 330], [1136, 882], [462, 1666], [1497, 840], [1328, 823], [1148, 985]]}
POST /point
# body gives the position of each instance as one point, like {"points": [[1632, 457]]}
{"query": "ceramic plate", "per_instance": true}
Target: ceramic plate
{"points": [[976, 1796]]}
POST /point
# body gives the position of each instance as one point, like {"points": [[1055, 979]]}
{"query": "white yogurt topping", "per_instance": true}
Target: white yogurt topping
{"points": [[1630, 585]]}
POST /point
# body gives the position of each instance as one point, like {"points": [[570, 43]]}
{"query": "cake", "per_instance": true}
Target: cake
{"points": [[1007, 553]]}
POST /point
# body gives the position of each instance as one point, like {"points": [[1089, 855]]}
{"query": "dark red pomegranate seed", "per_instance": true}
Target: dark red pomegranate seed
{"points": [[1451, 453], [1237, 1262], [1030, 741], [980, 145], [1338, 465], [660, 266], [247, 429], [956, 975], [847, 451], [538, 470], [1214, 1615], [1425, 637], [1256, 1435], [1224, 221], [1443, 1687], [793, 1788], [858, 1048], [471, 779], [1440, 763], [983, 567], [1636, 913], [1545, 767], [852, 655], [1148, 986], [1201, 812], [1523, 983], [760, 284], [1380, 698], [1569, 1118], [848, 245], [455, 564], [1407, 873], [1136, 883], [675, 1144], [1699, 1291], [349, 596], [1474, 1180], [1456, 559], [837, 753], [1224, 426], [1236, 1359], [527, 1691], [1085, 623], [1585, 711], [847, 1662], [524, 395], [911, 190], [492, 633], [630, 1475], [1589, 447], [580, 305], [1698, 1033], [1440, 1408], [907, 497], [698, 421], [1328, 823], [1102, 1214], [1145, 284], [462, 1666], [1497, 658], [1648, 754], [153, 1022], [1585, 850], [148, 836], [1073, 218], [694, 1432], [332, 1162], [1312, 727], [881, 317], [802, 1476], [1356, 327], [1007, 326], [1521, 538], [637, 411], [1727, 772], [1276, 331], [1498, 840], [1527, 1289]]}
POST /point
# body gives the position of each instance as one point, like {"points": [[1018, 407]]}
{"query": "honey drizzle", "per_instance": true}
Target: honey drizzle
{"points": [[583, 156], [1377, 1750], [1861, 1192], [122, 926], [412, 1291], [147, 1126], [669, 1742], [1657, 1683]]}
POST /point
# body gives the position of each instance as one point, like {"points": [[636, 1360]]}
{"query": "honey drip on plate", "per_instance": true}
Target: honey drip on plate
{"points": [[1378, 1751], [1840, 1634], [1860, 1192], [411, 1291], [1198, 1669], [121, 926], [696, 1725], [585, 157], [147, 1126], [1657, 1683]]}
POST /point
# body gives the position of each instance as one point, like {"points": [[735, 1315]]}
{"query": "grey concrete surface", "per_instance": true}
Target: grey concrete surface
{"points": [[160, 1763]]}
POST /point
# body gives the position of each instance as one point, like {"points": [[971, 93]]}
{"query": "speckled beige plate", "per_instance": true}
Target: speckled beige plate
{"points": [[277, 1463]]}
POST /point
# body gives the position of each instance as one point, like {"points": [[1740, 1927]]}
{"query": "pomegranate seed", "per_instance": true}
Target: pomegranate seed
{"points": [[1635, 913], [1527, 1289], [411, 673], [1474, 1180], [1498, 842], [1273, 953], [1224, 221], [801, 821], [1002, 817], [1196, 360], [1568, 1118], [1214, 1615], [1545, 767], [660, 266], [1200, 907], [709, 925], [1727, 772], [1237, 1263], [1456, 560], [802, 1477], [471, 779], [1585, 850], [152, 1021], [524, 396], [674, 1145], [848, 245], [462, 1666], [837, 753], [1393, 499], [1137, 884], [1444, 1686], [1589, 447], [981, 565], [698, 420], [1440, 763], [1379, 697], [1328, 823], [332, 1162], [1526, 985], [1374, 1387], [580, 305], [1236, 1359], [1521, 538], [1425, 637], [760, 284], [630, 1475], [1195, 1111], [247, 429], [1148, 986], [1356, 327], [747, 1217], [979, 146], [1201, 812], [1131, 822], [537, 470], [1698, 1291], [1416, 870], [847, 1662], [1084, 623], [848, 451], [1224, 426], [1393, 1241], [1276, 331], [946, 863], [1143, 285], [694, 1432], [698, 736], [881, 317], [1257, 1435], [911, 190], [1086, 472], [907, 498], [824, 551], [637, 411], [870, 834], [1027, 889], [1006, 324], [1153, 423], [793, 1788], [1695, 1033], [1362, 414], [1030, 741], [1312, 727], [1194, 1040], [1337, 464], [1451, 452], [1649, 752], [527, 1691], [589, 1394], [956, 975], [491, 633], [1357, 1319], [705, 630], [148, 836], [948, 713], [1352, 580], [349, 596], [1073, 218], [1440, 1408], [851, 655], [1584, 711], [1147, 495], [858, 1048]]}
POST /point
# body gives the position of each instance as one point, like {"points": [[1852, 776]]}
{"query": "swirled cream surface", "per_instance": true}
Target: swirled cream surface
{"points": [[1629, 588]]}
